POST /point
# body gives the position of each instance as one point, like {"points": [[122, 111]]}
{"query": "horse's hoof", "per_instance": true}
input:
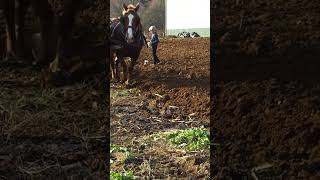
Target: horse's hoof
{"points": [[65, 74], [9, 57], [123, 81], [54, 66], [128, 84], [37, 66], [117, 80], [45, 77], [114, 81], [56, 78]]}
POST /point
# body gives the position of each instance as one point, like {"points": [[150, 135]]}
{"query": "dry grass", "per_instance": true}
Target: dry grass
{"points": [[53, 132]]}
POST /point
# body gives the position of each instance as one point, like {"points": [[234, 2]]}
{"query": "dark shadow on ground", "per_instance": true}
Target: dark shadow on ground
{"points": [[172, 80], [52, 157], [295, 64]]}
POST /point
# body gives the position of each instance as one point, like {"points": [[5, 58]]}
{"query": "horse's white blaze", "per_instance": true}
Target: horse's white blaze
{"points": [[130, 32]]}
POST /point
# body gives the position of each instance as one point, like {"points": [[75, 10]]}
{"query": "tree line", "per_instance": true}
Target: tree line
{"points": [[152, 12]]}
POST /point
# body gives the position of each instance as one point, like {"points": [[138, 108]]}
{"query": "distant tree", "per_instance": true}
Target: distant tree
{"points": [[155, 15], [152, 12], [116, 5]]}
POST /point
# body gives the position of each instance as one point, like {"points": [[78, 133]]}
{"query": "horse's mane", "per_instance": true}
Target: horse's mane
{"points": [[131, 8]]}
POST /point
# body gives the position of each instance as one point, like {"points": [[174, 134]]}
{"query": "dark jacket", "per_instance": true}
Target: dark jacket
{"points": [[154, 39]]}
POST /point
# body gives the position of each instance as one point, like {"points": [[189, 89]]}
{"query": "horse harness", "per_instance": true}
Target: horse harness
{"points": [[120, 42]]}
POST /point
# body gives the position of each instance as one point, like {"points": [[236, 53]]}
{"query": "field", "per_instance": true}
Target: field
{"points": [[167, 97], [264, 121], [266, 90], [56, 132], [60, 131]]}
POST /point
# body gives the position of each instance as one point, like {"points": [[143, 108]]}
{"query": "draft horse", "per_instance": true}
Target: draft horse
{"points": [[14, 12], [126, 40]]}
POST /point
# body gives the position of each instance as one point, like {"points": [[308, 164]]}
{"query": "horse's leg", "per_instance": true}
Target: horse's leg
{"points": [[112, 64], [44, 11], [130, 69], [7, 7], [110, 74], [20, 11], [125, 71], [117, 70], [70, 8]]}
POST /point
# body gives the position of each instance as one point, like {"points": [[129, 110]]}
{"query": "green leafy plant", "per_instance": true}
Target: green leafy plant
{"points": [[44, 97], [37, 98], [119, 149], [193, 139], [122, 176], [119, 93]]}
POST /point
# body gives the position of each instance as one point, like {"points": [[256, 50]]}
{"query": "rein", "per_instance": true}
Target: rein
{"points": [[120, 30]]}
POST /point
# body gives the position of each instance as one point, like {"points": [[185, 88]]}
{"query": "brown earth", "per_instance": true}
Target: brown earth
{"points": [[134, 120], [183, 74], [168, 96], [265, 90], [52, 132], [58, 131]]}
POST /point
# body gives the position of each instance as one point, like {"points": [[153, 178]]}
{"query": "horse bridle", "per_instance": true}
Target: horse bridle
{"points": [[120, 24], [135, 30]]}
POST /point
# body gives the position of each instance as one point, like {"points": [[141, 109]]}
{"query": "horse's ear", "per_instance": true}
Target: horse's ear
{"points": [[125, 6], [137, 7]]}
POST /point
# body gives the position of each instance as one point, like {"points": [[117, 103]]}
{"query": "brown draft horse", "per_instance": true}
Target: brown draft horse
{"points": [[14, 12], [127, 40]]}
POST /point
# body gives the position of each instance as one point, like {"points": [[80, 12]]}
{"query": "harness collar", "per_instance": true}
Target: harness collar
{"points": [[138, 42]]}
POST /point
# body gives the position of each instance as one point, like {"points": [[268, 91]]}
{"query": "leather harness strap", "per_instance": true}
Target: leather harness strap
{"points": [[119, 43]]}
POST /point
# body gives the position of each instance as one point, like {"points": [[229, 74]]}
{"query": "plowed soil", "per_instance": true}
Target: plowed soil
{"points": [[183, 75], [179, 84], [265, 116], [57, 132]]}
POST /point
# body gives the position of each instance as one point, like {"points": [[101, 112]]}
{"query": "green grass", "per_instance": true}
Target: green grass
{"points": [[119, 149], [44, 97], [38, 98], [119, 93], [193, 139], [122, 176], [127, 175]]}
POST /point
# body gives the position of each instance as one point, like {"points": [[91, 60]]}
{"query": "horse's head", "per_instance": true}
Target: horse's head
{"points": [[131, 21]]}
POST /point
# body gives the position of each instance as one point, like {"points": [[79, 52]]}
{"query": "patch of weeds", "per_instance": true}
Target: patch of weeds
{"points": [[193, 139], [119, 93], [119, 153], [37, 100], [122, 176], [44, 97], [124, 92], [134, 91]]}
